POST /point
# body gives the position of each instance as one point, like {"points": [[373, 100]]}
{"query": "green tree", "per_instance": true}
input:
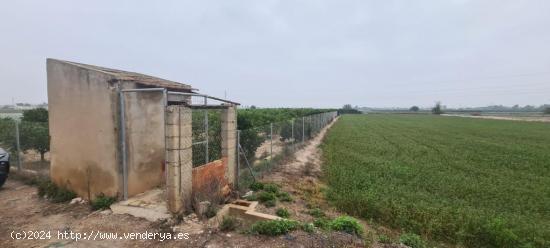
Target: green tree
{"points": [[286, 130], [547, 111], [437, 109], [414, 109], [34, 133], [35, 115], [249, 138], [35, 136], [7, 134]]}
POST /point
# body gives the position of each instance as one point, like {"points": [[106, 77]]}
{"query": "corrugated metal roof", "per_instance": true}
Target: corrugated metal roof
{"points": [[133, 76]]}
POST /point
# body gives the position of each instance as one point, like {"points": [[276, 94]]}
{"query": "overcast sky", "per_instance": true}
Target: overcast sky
{"points": [[293, 53]]}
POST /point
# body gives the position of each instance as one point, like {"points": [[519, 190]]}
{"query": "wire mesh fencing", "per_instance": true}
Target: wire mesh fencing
{"points": [[206, 136], [263, 148], [27, 143]]}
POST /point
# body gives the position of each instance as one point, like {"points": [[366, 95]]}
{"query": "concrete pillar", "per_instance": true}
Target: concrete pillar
{"points": [[229, 142], [179, 165]]}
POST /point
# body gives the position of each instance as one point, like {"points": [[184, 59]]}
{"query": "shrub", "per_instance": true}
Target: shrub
{"points": [[491, 233], [316, 212], [53, 192], [102, 202], [256, 186], [252, 197], [346, 224], [211, 211], [274, 227], [270, 187], [266, 196], [308, 227], [412, 240], [282, 212], [384, 239], [284, 197], [322, 223], [229, 223], [270, 203]]}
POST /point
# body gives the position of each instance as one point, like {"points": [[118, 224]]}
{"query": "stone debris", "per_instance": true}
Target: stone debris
{"points": [[106, 212], [77, 200], [249, 193]]}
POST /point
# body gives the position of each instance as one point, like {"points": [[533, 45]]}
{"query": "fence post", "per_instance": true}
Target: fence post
{"points": [[19, 167], [206, 134], [292, 134], [303, 129], [238, 173], [271, 140]]}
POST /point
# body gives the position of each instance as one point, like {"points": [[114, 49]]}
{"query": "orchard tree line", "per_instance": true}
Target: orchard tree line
{"points": [[33, 132], [253, 122]]}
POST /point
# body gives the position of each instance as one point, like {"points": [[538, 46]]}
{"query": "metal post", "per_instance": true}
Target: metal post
{"points": [[303, 129], [19, 166], [206, 135], [123, 147], [206, 131], [165, 103], [293, 134], [271, 139]]}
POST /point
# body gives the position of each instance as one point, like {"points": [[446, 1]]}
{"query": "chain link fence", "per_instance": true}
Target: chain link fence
{"points": [[28, 144], [260, 149]]}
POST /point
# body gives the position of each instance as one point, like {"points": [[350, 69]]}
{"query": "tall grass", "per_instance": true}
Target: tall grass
{"points": [[478, 183]]}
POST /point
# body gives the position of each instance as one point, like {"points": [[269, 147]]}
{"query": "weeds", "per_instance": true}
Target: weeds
{"points": [[272, 188], [251, 197], [412, 240], [266, 196], [102, 202], [384, 239], [229, 223], [308, 227], [284, 197], [283, 213], [322, 223], [270, 203], [274, 227], [256, 186], [53, 192], [346, 224], [316, 212]]}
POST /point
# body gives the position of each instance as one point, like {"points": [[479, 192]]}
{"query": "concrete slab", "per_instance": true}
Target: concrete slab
{"points": [[150, 205], [243, 210]]}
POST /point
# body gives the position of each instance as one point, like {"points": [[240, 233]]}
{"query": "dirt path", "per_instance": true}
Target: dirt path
{"points": [[307, 161], [301, 178]]}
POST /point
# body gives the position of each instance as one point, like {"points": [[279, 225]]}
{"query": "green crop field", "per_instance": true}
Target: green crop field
{"points": [[473, 182]]}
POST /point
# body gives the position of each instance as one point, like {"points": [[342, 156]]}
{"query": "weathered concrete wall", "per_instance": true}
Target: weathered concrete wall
{"points": [[179, 158], [144, 122], [82, 113], [229, 142]]}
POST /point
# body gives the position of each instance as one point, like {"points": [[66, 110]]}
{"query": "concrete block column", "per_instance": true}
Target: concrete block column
{"points": [[229, 142], [179, 165]]}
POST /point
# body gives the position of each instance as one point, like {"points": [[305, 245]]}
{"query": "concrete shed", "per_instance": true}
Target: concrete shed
{"points": [[121, 133]]}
